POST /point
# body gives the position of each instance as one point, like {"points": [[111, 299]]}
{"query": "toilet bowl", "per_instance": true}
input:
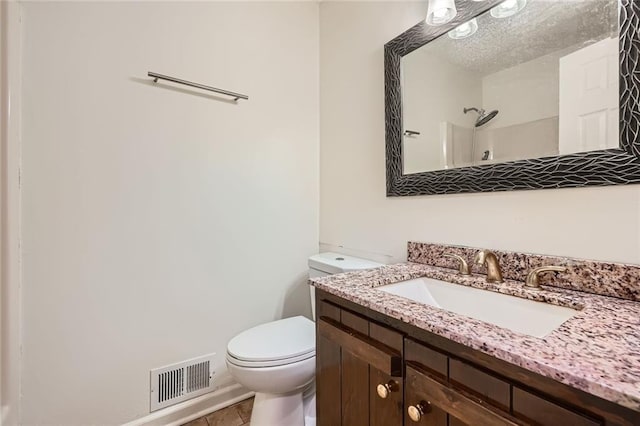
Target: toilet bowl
{"points": [[277, 360]]}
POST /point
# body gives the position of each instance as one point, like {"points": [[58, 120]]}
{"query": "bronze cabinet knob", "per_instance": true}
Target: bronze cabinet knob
{"points": [[417, 411], [385, 389]]}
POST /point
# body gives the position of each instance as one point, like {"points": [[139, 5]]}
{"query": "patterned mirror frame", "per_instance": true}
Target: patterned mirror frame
{"points": [[620, 166]]}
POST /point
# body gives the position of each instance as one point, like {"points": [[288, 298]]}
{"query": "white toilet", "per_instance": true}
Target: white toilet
{"points": [[277, 360]]}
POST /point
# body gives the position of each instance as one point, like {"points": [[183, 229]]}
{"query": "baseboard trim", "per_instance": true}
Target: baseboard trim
{"points": [[184, 412]]}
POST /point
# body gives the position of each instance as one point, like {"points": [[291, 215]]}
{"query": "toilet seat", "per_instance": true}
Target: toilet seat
{"points": [[272, 363], [276, 343]]}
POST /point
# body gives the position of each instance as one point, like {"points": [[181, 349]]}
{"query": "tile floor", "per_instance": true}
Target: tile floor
{"points": [[236, 415]]}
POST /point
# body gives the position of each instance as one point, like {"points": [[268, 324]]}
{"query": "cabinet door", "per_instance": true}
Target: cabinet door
{"points": [[355, 377], [427, 413], [385, 405], [328, 369], [454, 421], [351, 365], [385, 411]]}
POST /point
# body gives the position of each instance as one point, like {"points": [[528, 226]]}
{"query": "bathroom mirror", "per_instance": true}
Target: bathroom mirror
{"points": [[515, 94], [538, 83]]}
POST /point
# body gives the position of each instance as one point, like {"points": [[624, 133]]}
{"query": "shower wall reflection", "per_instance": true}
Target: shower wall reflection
{"points": [[539, 83]]}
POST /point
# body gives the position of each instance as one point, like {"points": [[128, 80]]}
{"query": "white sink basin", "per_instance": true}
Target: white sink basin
{"points": [[520, 315]]}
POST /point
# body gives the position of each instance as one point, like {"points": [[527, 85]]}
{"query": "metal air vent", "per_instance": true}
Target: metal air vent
{"points": [[181, 381]]}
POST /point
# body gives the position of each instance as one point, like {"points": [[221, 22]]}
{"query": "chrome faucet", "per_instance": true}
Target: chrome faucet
{"points": [[490, 260], [533, 279]]}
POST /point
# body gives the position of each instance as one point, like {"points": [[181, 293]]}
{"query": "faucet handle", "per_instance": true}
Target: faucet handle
{"points": [[464, 266], [533, 280]]}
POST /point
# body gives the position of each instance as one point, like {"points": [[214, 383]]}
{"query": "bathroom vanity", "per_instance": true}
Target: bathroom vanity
{"points": [[383, 359]]}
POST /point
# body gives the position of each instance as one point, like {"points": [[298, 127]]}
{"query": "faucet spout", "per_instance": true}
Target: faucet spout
{"points": [[490, 260]]}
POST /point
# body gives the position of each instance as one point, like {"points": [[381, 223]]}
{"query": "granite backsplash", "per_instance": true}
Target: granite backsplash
{"points": [[604, 278]]}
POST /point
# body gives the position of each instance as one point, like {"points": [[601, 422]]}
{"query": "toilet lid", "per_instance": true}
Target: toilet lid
{"points": [[277, 340]]}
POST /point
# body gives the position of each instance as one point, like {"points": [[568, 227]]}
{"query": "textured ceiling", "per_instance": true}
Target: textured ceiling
{"points": [[542, 27]]}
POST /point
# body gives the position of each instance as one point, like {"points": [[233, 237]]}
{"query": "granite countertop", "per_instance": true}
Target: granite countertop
{"points": [[597, 350]]}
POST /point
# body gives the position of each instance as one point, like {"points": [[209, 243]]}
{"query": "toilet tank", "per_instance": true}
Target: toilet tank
{"points": [[329, 263]]}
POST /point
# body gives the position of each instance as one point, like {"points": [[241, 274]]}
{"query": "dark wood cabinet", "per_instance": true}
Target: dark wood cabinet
{"points": [[375, 370], [363, 365]]}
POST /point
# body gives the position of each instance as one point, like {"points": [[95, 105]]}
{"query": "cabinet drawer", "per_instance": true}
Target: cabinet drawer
{"points": [[433, 361], [478, 382], [327, 310], [385, 335], [540, 411], [427, 392], [354, 322], [358, 344]]}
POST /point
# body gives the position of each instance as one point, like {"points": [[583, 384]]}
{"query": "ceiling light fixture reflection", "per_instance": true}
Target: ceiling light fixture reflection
{"points": [[440, 12], [464, 30], [508, 8]]}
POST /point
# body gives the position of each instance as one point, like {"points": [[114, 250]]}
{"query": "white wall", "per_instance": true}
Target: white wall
{"points": [[435, 91], [157, 223], [600, 223], [527, 98], [525, 92]]}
